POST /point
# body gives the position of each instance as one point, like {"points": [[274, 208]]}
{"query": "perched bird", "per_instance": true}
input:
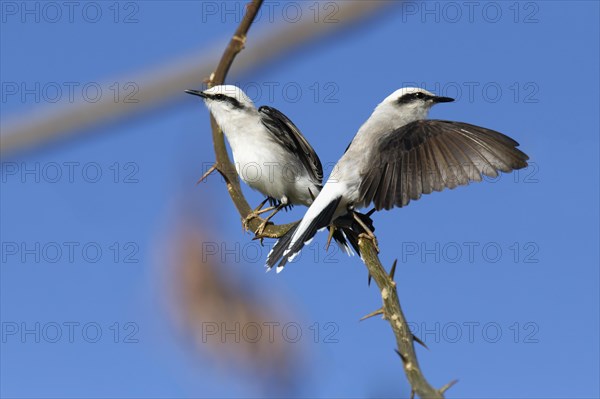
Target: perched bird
{"points": [[396, 156], [269, 152]]}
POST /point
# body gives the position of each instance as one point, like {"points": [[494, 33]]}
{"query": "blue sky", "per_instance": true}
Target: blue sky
{"points": [[515, 259]]}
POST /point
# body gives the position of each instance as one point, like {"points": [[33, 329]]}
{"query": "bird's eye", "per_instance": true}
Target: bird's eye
{"points": [[219, 97], [419, 95]]}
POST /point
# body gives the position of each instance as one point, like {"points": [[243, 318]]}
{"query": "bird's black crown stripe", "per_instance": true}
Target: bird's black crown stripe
{"points": [[410, 97], [231, 100]]}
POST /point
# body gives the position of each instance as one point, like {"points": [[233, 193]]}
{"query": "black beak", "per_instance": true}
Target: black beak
{"points": [[442, 100], [197, 93]]}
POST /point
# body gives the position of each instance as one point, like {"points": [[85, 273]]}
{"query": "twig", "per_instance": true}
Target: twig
{"points": [[392, 312], [207, 173], [391, 306]]}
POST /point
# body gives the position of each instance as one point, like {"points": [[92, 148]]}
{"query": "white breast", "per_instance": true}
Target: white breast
{"points": [[266, 166]]}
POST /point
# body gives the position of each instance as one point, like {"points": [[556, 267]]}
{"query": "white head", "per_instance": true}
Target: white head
{"points": [[228, 104], [408, 104]]}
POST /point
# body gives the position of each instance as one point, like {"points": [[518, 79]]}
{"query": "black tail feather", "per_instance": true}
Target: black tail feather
{"points": [[351, 228], [322, 220], [343, 242], [347, 233], [280, 246]]}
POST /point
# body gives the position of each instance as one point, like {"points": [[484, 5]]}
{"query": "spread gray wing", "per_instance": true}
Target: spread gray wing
{"points": [[430, 155], [288, 135]]}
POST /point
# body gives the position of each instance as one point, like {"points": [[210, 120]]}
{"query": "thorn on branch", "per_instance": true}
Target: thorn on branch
{"points": [[329, 237], [447, 386], [418, 340], [261, 238], [375, 313], [401, 356], [208, 172], [369, 281], [393, 271]]}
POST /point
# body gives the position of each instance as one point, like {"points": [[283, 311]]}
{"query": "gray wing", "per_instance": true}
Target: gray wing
{"points": [[430, 155], [290, 137]]}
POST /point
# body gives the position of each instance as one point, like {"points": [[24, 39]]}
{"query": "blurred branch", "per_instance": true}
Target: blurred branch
{"points": [[391, 305], [209, 302], [52, 122]]}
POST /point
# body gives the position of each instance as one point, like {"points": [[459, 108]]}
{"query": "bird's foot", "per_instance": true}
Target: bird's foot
{"points": [[261, 229], [258, 234], [246, 221], [370, 236]]}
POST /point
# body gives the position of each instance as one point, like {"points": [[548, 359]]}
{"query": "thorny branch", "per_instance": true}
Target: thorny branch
{"points": [[392, 312], [391, 309]]}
